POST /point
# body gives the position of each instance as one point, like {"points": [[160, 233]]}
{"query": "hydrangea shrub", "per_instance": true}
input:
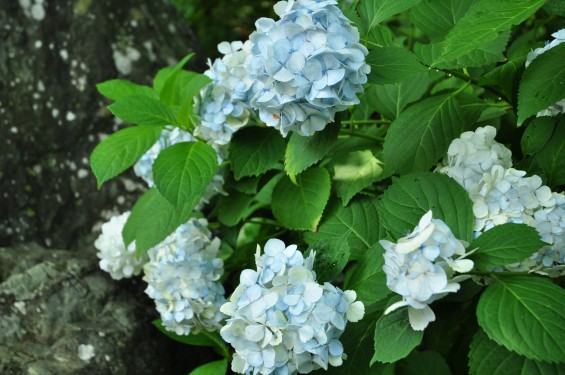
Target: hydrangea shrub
{"points": [[401, 164]]}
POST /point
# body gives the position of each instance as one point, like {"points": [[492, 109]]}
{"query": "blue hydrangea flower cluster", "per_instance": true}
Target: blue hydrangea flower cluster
{"points": [[281, 321], [183, 275], [144, 167], [308, 66], [502, 194], [115, 258], [223, 105], [420, 268], [559, 107]]}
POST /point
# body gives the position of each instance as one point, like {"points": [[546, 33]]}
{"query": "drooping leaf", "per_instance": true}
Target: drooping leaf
{"points": [[525, 315], [331, 257], [301, 206], [360, 217], [302, 152], [394, 337], [353, 172], [142, 110], [483, 23], [255, 150], [392, 65], [121, 150], [420, 136], [367, 278], [551, 159], [411, 196], [212, 368], [487, 357], [505, 244], [120, 88], [183, 171]]}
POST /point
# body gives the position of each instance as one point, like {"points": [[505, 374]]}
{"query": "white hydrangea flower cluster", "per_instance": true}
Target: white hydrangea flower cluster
{"points": [[308, 66], [223, 105], [420, 268], [473, 154], [281, 321], [143, 168], [115, 258], [502, 194], [559, 107], [182, 276]]}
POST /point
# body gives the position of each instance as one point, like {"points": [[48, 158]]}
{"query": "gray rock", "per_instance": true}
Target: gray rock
{"points": [[59, 314], [52, 55]]}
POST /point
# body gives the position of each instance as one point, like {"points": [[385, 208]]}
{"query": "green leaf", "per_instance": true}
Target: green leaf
{"points": [[436, 18], [354, 172], [212, 368], [411, 196], [232, 207], [202, 338], [360, 217], [525, 315], [483, 23], [424, 362], [392, 65], [302, 152], [542, 84], [367, 277], [373, 12], [183, 171], [247, 185], [486, 357], [331, 257], [301, 206], [121, 150], [390, 100], [505, 244], [255, 150], [143, 110], [165, 81], [551, 159], [420, 136], [394, 337], [187, 89], [537, 135], [120, 88], [555, 6], [152, 219]]}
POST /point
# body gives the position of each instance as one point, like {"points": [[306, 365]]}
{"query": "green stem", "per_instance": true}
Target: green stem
{"points": [[468, 78], [361, 135], [263, 221]]}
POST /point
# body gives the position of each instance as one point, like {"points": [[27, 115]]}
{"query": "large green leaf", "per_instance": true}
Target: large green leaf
{"points": [[121, 150], [420, 136], [537, 135], [392, 65], [354, 172], [483, 23], [543, 83], [212, 368], [301, 206], [436, 18], [302, 152], [390, 100], [411, 196], [505, 244], [373, 12], [120, 88], [183, 171], [488, 358], [165, 81], [525, 315], [394, 337], [187, 89], [143, 110], [360, 217], [331, 257], [255, 150], [367, 277], [551, 159]]}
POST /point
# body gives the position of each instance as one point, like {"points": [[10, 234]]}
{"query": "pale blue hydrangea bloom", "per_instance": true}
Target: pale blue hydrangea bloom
{"points": [[420, 268], [281, 321], [308, 66], [559, 107], [223, 105], [143, 168], [115, 258], [183, 275]]}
